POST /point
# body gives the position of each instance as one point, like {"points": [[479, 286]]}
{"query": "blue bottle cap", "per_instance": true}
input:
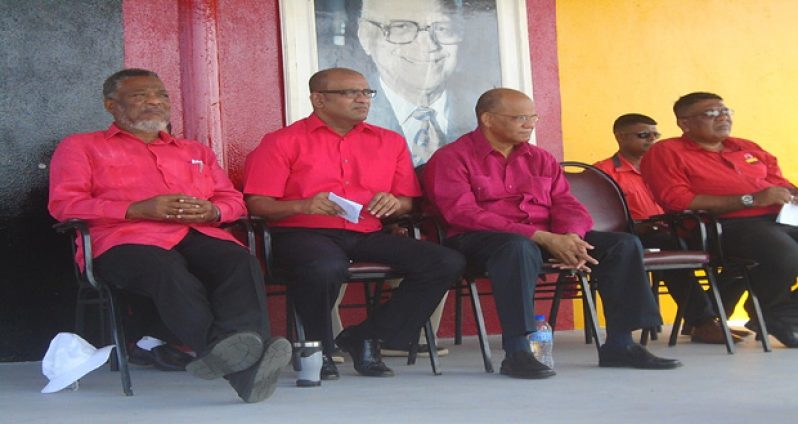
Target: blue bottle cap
{"points": [[540, 317]]}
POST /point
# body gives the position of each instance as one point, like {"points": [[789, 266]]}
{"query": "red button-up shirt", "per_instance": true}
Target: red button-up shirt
{"points": [[308, 157], [96, 176], [678, 169], [638, 196], [475, 188]]}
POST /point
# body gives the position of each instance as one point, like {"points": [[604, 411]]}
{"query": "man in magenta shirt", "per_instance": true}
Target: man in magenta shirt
{"points": [[290, 178], [635, 134], [153, 203], [734, 179], [508, 208]]}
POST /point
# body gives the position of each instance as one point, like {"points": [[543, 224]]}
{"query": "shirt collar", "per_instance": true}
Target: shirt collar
{"points": [[483, 148], [404, 109], [313, 123], [728, 144], [114, 130], [625, 165]]}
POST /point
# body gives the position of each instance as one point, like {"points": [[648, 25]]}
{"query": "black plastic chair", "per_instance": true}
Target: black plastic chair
{"points": [[373, 275], [604, 199], [92, 292]]}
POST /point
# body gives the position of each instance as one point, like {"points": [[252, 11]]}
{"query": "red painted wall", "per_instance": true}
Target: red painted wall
{"points": [[222, 63]]}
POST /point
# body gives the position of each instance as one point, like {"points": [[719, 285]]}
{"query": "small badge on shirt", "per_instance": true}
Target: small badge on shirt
{"points": [[200, 164], [750, 159]]}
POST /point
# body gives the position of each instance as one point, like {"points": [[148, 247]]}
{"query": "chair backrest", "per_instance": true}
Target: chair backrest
{"points": [[601, 195]]}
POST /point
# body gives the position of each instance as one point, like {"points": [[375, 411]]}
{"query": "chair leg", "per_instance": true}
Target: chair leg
{"points": [[588, 298], [429, 334], [118, 334], [480, 320], [763, 331], [458, 312], [713, 285]]}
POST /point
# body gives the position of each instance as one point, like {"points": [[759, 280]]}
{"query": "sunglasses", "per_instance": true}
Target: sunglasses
{"points": [[645, 135]]}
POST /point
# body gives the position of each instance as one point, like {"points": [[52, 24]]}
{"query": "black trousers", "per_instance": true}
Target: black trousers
{"points": [[682, 283], [317, 261], [775, 247], [513, 263], [203, 288]]}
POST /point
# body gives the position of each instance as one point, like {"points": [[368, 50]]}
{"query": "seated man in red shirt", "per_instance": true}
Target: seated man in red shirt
{"points": [[290, 179], [508, 209], [635, 133], [733, 178], [153, 203]]}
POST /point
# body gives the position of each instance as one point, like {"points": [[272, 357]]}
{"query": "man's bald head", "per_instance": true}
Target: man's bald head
{"points": [[491, 100], [321, 80]]}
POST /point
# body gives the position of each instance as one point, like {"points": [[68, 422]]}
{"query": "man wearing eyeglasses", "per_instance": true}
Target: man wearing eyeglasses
{"points": [[635, 134], [734, 179], [414, 45], [290, 179], [507, 208]]}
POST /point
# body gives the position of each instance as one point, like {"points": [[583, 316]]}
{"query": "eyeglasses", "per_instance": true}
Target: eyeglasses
{"points": [[712, 113], [351, 93], [405, 32], [520, 119], [645, 135]]}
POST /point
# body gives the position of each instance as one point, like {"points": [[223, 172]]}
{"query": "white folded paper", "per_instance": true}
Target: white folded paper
{"points": [[351, 209], [788, 214]]}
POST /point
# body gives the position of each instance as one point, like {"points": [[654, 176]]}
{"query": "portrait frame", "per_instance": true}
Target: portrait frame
{"points": [[300, 53]]}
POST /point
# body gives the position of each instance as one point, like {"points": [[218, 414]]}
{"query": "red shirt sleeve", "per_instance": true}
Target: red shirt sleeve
{"points": [[666, 178]]}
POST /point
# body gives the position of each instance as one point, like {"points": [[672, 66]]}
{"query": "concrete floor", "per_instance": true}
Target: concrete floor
{"points": [[712, 387]]}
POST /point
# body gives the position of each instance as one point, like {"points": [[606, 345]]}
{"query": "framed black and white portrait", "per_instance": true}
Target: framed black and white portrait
{"points": [[429, 60]]}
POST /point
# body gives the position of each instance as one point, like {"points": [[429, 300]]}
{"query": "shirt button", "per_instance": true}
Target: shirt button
{"points": [[346, 182], [346, 160]]}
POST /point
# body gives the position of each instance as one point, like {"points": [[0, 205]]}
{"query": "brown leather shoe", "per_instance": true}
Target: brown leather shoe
{"points": [[711, 332]]}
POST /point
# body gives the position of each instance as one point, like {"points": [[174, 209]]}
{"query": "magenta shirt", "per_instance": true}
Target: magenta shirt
{"points": [[474, 188]]}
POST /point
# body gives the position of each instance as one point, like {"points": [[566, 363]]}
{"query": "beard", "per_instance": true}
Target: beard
{"points": [[150, 125], [143, 125]]}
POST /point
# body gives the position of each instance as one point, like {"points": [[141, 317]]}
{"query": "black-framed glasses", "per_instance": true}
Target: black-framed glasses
{"points": [[645, 135], [405, 32], [351, 93], [520, 119], [713, 113]]}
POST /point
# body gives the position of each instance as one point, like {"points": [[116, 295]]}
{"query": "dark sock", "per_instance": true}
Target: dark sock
{"points": [[512, 344], [619, 340]]}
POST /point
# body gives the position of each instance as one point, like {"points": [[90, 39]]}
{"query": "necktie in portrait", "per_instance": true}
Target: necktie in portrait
{"points": [[429, 136]]}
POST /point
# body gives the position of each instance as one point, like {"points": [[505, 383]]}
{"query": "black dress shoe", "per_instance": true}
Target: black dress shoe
{"points": [[782, 331], [328, 369], [259, 381], [139, 356], [524, 365], [365, 354], [163, 357], [634, 356]]}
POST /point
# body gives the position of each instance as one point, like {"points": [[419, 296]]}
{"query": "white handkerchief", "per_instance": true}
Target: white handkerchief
{"points": [[351, 209], [788, 214]]}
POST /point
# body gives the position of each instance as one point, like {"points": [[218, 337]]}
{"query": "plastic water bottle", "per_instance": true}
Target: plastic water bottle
{"points": [[542, 342]]}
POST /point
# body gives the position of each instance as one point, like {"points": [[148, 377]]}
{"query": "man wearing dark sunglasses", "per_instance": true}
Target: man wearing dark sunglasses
{"points": [[635, 134], [736, 180]]}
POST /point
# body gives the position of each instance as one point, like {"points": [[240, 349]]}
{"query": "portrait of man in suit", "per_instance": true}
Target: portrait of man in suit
{"points": [[428, 60]]}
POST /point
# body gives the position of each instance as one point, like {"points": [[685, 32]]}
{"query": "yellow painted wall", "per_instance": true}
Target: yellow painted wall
{"points": [[621, 56]]}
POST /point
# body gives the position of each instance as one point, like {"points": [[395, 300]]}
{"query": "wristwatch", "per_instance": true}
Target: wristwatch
{"points": [[747, 199]]}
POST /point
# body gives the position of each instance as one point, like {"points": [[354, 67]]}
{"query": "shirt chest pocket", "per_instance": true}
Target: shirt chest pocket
{"points": [[534, 189], [756, 169], [529, 188]]}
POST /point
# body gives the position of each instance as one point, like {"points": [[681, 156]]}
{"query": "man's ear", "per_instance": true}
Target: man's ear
{"points": [[109, 105], [366, 40], [485, 120], [317, 100], [682, 123]]}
